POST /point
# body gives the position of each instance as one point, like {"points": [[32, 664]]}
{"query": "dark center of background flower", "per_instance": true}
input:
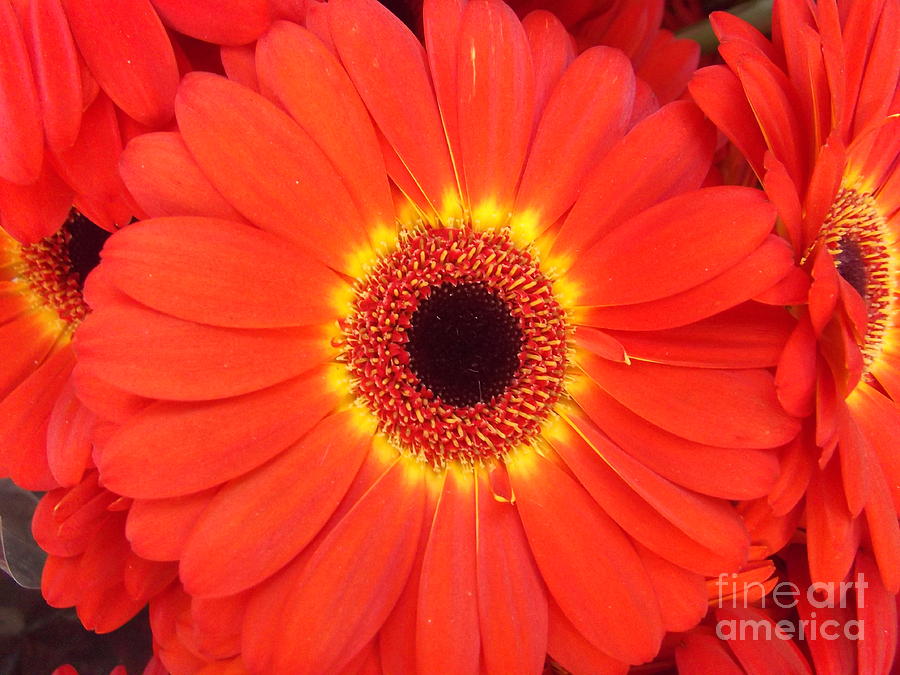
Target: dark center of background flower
{"points": [[55, 268], [857, 236], [456, 344], [464, 344]]}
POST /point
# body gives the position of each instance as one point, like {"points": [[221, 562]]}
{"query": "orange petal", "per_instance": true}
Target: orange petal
{"points": [[258, 522], [552, 50], [447, 634], [682, 594], [832, 534], [734, 409], [158, 529], [128, 51], [587, 562], [34, 211], [210, 271], [572, 651], [165, 450], [267, 167], [222, 22], [512, 600]]}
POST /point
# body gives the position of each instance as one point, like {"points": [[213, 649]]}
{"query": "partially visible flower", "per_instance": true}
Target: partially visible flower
{"points": [[439, 348], [814, 111]]}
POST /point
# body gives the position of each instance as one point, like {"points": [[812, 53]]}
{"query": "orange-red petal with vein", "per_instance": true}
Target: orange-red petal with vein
{"points": [[34, 211], [572, 651], [21, 150], [258, 522], [795, 379], [719, 93], [748, 336], [91, 166], [669, 65], [239, 64], [56, 72], [664, 155], [164, 451], [447, 636], [268, 167], [512, 600], [600, 343], [552, 50], [877, 608], [210, 271], [308, 81], [682, 461], [165, 180], [692, 530], [682, 242], [158, 529], [496, 103], [796, 468], [128, 51], [218, 623], [699, 653], [588, 563], [70, 432], [735, 409], [398, 93], [24, 417], [159, 356], [884, 531], [832, 534], [30, 343], [758, 272], [586, 113], [353, 579], [778, 656], [878, 418], [223, 22]]}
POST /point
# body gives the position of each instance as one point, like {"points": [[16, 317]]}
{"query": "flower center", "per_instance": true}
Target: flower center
{"points": [[857, 236], [55, 268], [456, 344]]}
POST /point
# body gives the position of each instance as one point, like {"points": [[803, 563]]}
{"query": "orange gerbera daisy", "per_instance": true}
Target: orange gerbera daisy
{"points": [[812, 112], [462, 427]]}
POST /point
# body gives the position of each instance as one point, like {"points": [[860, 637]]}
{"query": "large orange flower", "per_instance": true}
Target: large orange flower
{"points": [[457, 389], [811, 111]]}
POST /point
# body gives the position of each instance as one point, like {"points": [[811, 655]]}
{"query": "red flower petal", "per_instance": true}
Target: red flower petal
{"points": [[572, 651], [673, 246], [496, 103], [682, 594], [397, 93], [669, 65], [158, 529], [586, 113], [34, 211], [259, 522], [447, 635], [666, 154], [832, 534], [552, 50], [353, 579], [56, 72], [164, 179], [309, 82], [164, 451], [735, 409], [267, 167], [587, 562], [795, 379], [876, 610], [512, 600], [70, 435], [698, 653], [223, 22], [210, 271], [128, 51], [21, 150], [159, 356]]}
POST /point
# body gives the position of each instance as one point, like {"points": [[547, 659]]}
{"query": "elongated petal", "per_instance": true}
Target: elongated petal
{"points": [[680, 243], [666, 154], [552, 50], [354, 578], [309, 82], [268, 167], [166, 450], [158, 529], [587, 113], [572, 651], [165, 180], [233, 22], [21, 148], [257, 523], [34, 211], [220, 273], [158, 356], [512, 600], [397, 93], [447, 635], [128, 51], [588, 564], [734, 409]]}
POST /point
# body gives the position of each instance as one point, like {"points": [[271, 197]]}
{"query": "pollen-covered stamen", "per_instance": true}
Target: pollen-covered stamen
{"points": [[456, 344], [55, 268], [857, 235]]}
